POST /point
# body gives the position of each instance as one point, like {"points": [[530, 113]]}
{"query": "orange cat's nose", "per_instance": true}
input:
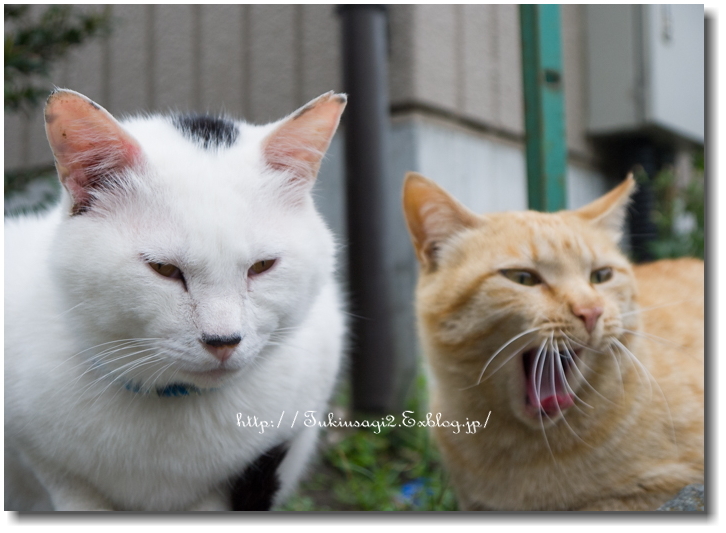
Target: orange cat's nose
{"points": [[221, 347], [588, 314]]}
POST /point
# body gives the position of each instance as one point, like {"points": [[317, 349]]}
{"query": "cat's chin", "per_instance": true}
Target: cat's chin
{"points": [[209, 378], [217, 374], [538, 418]]}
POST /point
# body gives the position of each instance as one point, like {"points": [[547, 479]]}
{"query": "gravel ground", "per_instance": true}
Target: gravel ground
{"points": [[689, 499]]}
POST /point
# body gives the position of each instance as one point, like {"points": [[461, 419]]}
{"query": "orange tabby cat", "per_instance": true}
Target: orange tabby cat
{"points": [[592, 369]]}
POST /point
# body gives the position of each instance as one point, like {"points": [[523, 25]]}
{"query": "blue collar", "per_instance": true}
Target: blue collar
{"points": [[173, 389], [167, 391]]}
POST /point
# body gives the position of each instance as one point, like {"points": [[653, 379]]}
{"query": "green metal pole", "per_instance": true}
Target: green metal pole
{"points": [[544, 108]]}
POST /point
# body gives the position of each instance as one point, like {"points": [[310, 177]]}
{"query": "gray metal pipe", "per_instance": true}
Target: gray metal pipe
{"points": [[365, 75]]}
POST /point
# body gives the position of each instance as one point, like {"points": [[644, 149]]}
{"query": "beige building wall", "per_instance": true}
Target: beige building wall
{"points": [[459, 63], [463, 62], [259, 62]]}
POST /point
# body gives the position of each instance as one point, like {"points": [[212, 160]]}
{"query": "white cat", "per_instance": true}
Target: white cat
{"points": [[185, 277]]}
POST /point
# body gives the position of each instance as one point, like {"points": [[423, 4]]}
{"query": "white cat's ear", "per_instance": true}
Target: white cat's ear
{"points": [[432, 216], [608, 212], [88, 144], [299, 142]]}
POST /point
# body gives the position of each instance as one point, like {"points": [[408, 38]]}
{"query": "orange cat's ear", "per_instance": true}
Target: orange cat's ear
{"points": [[432, 216], [299, 143], [88, 144], [608, 211]]}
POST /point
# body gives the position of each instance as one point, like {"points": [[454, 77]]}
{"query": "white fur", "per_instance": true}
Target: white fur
{"points": [[74, 284]]}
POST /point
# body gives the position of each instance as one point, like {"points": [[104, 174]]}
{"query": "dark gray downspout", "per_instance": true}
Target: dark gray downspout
{"points": [[365, 79]]}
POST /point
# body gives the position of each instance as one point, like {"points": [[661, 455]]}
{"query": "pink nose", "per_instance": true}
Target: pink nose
{"points": [[588, 314], [221, 347]]}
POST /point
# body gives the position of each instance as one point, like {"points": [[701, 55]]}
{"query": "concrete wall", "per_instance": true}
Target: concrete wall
{"points": [[459, 62], [463, 63], [259, 62]]}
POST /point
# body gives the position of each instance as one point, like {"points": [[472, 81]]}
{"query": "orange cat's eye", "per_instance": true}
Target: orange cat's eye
{"points": [[166, 270], [601, 275], [261, 266], [523, 277]]}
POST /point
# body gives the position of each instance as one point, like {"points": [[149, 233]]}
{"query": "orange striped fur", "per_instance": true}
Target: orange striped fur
{"points": [[628, 341]]}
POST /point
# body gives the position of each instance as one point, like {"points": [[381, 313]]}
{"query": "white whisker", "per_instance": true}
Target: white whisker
{"points": [[564, 379], [69, 310], [584, 380], [131, 365], [620, 372], [635, 363], [148, 360], [643, 309], [120, 343], [100, 367], [654, 338], [651, 378], [510, 341], [573, 361]]}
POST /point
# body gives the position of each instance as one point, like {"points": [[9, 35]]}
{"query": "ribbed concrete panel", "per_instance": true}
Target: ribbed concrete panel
{"points": [[264, 61], [37, 152], [510, 101], [320, 66], [14, 140], [81, 71], [479, 76], [329, 191], [400, 71], [221, 59], [435, 56], [128, 53], [574, 48], [273, 55], [460, 59], [173, 48], [400, 262], [26, 145], [85, 68], [611, 42]]}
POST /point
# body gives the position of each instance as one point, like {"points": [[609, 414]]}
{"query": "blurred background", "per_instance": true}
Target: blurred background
{"points": [[507, 107]]}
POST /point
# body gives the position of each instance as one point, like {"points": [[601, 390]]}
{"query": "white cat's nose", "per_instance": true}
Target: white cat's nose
{"points": [[221, 347]]}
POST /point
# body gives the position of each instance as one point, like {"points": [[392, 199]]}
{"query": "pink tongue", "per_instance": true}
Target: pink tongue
{"points": [[550, 400]]}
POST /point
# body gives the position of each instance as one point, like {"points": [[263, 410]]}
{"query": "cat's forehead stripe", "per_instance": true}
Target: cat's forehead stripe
{"points": [[543, 237], [208, 131]]}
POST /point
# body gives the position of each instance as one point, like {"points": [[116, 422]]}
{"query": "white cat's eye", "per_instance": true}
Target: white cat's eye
{"points": [[166, 270], [523, 277], [261, 266], [601, 275]]}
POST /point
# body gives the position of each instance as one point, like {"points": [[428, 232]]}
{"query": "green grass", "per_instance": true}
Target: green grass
{"points": [[396, 469], [679, 213]]}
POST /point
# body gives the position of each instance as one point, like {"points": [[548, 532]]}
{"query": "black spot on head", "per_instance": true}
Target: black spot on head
{"points": [[208, 132]]}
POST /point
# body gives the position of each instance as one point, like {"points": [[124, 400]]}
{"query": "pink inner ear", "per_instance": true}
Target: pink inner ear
{"points": [[89, 145], [299, 143], [290, 151]]}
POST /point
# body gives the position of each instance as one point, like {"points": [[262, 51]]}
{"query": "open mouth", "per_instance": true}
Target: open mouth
{"points": [[546, 373]]}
